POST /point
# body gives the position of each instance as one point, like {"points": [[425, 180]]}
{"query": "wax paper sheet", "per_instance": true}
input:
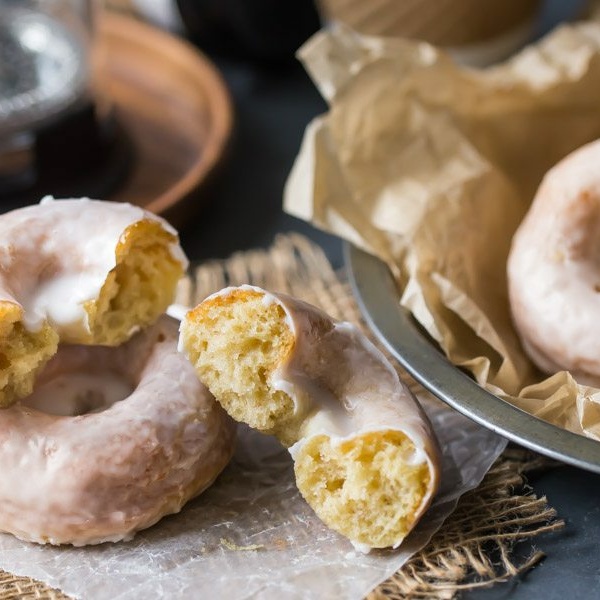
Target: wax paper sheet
{"points": [[251, 535], [431, 166]]}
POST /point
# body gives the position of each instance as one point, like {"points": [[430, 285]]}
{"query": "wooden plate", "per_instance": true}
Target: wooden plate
{"points": [[174, 107]]}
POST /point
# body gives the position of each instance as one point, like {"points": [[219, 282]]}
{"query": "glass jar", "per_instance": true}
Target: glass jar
{"points": [[55, 132]]}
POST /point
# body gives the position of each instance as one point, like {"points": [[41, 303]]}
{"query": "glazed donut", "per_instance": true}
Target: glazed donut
{"points": [[365, 457], [78, 271], [554, 269], [151, 438]]}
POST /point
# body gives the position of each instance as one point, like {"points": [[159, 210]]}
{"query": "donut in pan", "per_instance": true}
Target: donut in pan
{"points": [[78, 271], [365, 457], [554, 269]]}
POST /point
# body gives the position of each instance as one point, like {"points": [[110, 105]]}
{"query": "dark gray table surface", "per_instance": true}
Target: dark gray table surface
{"points": [[244, 210]]}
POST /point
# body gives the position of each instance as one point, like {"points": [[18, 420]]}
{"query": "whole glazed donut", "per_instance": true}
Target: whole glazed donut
{"points": [[554, 269], [78, 271], [151, 438], [365, 457]]}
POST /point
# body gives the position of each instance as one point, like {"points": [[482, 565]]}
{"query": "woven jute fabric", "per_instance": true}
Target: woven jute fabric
{"points": [[473, 548]]}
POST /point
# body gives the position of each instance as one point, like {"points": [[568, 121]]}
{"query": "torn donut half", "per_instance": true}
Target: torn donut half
{"points": [[78, 271], [365, 456]]}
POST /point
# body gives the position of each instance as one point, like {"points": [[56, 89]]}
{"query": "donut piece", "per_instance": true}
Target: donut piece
{"points": [[554, 269], [82, 272], [365, 457], [151, 438]]}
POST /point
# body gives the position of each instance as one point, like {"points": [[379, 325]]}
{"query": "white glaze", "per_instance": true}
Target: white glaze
{"points": [[554, 269], [56, 256], [177, 311], [346, 388], [356, 391], [75, 393], [362, 548], [103, 476]]}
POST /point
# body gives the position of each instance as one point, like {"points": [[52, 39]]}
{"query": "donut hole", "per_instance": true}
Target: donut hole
{"points": [[140, 287], [80, 380], [370, 488], [75, 394], [236, 342]]}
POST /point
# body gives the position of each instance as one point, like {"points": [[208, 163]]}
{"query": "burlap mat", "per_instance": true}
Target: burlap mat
{"points": [[473, 548]]}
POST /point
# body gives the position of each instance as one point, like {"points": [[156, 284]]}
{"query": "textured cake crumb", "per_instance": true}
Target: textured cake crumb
{"points": [[22, 354], [235, 343], [366, 488], [140, 287]]}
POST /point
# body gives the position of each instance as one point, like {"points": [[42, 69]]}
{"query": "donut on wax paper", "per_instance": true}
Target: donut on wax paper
{"points": [[365, 457]]}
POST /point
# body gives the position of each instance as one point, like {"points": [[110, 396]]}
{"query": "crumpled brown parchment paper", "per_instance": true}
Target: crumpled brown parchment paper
{"points": [[431, 166]]}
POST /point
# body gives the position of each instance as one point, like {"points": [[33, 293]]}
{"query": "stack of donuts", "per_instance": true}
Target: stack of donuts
{"points": [[107, 422], [105, 427]]}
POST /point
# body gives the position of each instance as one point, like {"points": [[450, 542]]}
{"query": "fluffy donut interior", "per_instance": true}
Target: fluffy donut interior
{"points": [[366, 488], [22, 353], [234, 342], [140, 287]]}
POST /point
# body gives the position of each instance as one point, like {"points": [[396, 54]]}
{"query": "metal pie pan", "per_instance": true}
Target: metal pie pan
{"points": [[377, 295]]}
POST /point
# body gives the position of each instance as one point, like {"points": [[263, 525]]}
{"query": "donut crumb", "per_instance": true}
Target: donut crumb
{"points": [[232, 546]]}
